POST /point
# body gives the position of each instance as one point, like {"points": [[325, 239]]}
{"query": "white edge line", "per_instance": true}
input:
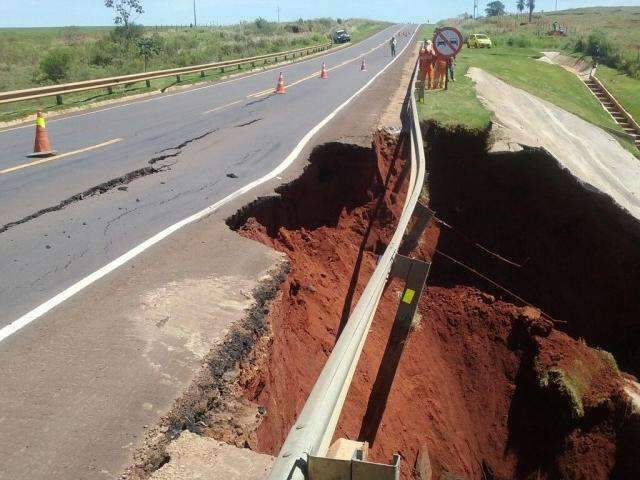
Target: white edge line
{"points": [[157, 95], [37, 312]]}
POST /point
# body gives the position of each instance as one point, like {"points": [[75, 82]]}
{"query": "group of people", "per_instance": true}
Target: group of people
{"points": [[434, 70]]}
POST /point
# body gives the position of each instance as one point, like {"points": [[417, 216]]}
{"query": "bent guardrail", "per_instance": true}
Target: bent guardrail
{"points": [[315, 426], [58, 90]]}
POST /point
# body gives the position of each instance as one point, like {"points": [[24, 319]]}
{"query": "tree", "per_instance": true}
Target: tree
{"points": [[125, 10], [531, 5], [495, 9], [520, 5], [149, 46]]}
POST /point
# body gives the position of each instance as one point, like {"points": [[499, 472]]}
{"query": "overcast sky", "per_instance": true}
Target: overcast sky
{"points": [[27, 13]]}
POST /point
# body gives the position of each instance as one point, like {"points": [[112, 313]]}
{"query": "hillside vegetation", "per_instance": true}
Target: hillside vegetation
{"points": [[30, 57], [616, 30]]}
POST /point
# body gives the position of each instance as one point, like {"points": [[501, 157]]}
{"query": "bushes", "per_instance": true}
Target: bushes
{"points": [[520, 41], [56, 64], [610, 53], [31, 57]]}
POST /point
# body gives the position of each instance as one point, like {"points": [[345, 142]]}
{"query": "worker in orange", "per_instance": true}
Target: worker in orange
{"points": [[440, 72], [425, 72]]}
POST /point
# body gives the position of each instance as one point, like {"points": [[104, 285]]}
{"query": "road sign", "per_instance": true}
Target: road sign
{"points": [[447, 41]]}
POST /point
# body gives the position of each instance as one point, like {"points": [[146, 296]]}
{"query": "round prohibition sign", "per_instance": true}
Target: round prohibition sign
{"points": [[447, 41]]}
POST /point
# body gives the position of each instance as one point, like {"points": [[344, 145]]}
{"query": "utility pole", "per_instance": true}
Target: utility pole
{"points": [[195, 19], [278, 8], [475, 9], [556, 5]]}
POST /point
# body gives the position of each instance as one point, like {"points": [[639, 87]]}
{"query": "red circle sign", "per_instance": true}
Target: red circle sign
{"points": [[447, 41]]}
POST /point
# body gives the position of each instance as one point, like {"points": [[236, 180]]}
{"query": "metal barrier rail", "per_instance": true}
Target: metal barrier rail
{"points": [[316, 424], [57, 90]]}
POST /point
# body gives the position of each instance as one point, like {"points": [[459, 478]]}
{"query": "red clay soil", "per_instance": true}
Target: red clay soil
{"points": [[323, 222], [488, 388]]}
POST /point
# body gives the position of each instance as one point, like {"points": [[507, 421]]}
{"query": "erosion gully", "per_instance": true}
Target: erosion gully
{"points": [[514, 366]]}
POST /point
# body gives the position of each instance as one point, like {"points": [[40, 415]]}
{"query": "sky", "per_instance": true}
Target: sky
{"points": [[31, 13]]}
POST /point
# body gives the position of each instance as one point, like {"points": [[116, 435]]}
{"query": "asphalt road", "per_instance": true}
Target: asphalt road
{"points": [[79, 383], [194, 139]]}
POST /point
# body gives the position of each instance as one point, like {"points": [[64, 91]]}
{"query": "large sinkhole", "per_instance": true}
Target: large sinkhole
{"points": [[512, 367], [575, 253]]}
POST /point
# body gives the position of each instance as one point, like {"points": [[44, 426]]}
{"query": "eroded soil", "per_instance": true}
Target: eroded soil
{"points": [[491, 384]]}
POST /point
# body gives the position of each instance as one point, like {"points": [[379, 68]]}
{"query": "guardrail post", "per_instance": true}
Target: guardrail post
{"points": [[110, 90], [253, 64], [239, 67], [221, 69], [202, 74], [148, 83], [178, 79], [59, 99]]}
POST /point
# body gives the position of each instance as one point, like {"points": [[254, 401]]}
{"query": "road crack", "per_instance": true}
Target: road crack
{"points": [[117, 182], [178, 149], [250, 122]]}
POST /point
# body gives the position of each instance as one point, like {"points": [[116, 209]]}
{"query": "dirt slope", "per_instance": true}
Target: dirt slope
{"points": [[488, 387]]}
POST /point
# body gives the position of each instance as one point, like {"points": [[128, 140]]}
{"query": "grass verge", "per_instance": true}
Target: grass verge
{"points": [[623, 87], [518, 67]]}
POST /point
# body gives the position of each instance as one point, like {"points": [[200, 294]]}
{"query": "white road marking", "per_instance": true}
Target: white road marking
{"points": [[222, 107], [37, 312]]}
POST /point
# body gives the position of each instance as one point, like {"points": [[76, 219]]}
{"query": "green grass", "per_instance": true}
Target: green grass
{"points": [[615, 29], [96, 53], [623, 87], [457, 106], [622, 25], [520, 68]]}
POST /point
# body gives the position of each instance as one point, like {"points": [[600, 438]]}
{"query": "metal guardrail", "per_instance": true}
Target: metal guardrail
{"points": [[58, 90], [314, 429]]}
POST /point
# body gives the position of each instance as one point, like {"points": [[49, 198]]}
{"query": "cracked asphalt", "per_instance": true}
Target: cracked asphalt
{"points": [[176, 157], [85, 384]]}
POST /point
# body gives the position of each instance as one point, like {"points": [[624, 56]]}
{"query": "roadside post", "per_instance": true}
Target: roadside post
{"points": [[447, 42]]}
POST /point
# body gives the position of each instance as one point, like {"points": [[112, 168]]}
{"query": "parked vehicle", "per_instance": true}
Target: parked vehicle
{"points": [[479, 40], [340, 36]]}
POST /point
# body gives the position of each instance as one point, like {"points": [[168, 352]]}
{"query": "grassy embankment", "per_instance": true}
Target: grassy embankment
{"points": [[514, 60], [30, 57], [616, 30]]}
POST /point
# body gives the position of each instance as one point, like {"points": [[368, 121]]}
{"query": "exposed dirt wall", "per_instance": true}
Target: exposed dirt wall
{"points": [[332, 223], [579, 252], [489, 388]]}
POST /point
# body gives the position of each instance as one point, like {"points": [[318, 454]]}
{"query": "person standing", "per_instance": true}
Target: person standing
{"points": [[425, 70], [440, 72], [451, 65], [393, 44]]}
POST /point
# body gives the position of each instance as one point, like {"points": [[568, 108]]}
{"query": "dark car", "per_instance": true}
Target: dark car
{"points": [[340, 36]]}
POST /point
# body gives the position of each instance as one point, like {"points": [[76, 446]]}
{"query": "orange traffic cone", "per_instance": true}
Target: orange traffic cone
{"points": [[324, 73], [280, 87], [42, 147], [363, 68]]}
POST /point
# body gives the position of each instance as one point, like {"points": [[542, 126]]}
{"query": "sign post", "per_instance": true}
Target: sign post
{"points": [[447, 42]]}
